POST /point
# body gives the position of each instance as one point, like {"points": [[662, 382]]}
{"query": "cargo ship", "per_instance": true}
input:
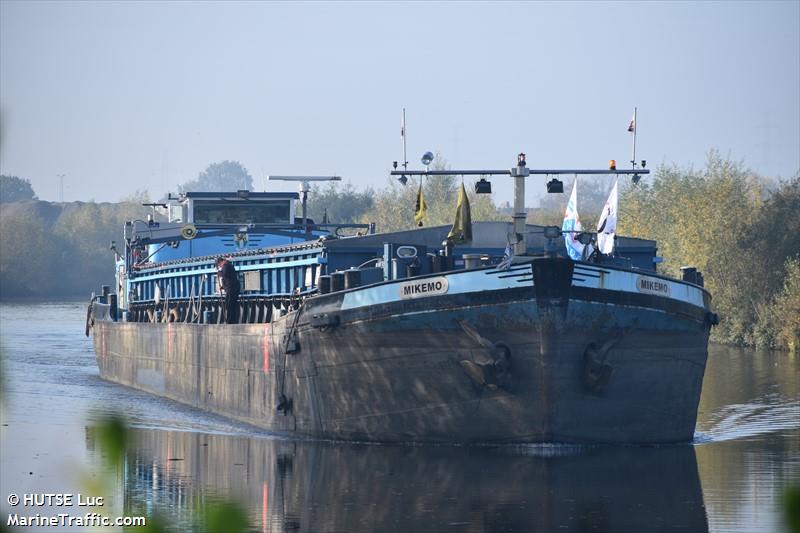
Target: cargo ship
{"points": [[408, 336]]}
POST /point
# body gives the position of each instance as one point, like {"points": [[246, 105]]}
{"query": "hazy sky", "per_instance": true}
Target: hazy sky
{"points": [[130, 95]]}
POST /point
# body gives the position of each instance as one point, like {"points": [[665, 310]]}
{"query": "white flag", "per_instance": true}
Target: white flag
{"points": [[632, 125], [572, 226], [607, 225]]}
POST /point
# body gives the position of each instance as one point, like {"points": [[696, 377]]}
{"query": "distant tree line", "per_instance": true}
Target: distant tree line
{"points": [[741, 230], [53, 250]]}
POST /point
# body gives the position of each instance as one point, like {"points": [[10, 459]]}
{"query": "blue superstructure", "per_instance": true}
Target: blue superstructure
{"points": [[169, 266], [233, 209]]}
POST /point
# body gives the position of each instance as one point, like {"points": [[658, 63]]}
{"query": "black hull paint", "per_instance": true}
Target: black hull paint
{"points": [[578, 369]]}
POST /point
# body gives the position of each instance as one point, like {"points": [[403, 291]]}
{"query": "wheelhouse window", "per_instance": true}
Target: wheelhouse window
{"points": [[276, 212]]}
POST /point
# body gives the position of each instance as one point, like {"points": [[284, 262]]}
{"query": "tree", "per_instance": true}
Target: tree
{"points": [[394, 206], [223, 176], [767, 257], [718, 220], [28, 255], [343, 203], [786, 308], [14, 189]]}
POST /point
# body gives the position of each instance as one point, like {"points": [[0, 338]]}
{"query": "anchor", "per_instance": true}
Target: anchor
{"points": [[284, 404], [493, 369], [596, 369]]}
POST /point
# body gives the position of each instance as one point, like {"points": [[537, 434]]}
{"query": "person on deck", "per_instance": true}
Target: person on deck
{"points": [[229, 281]]}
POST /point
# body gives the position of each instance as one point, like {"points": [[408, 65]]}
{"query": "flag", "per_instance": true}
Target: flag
{"points": [[607, 225], [632, 125], [461, 231], [403, 124], [508, 258], [572, 226], [421, 209]]}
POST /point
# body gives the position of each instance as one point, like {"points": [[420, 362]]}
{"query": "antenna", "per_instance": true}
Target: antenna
{"points": [[403, 135], [632, 128], [304, 188]]}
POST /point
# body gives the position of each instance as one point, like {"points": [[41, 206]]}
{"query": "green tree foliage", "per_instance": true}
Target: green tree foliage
{"points": [[49, 250], [343, 203], [717, 220], [25, 242], [762, 255], [694, 215], [786, 308], [222, 176], [394, 205], [15, 189]]}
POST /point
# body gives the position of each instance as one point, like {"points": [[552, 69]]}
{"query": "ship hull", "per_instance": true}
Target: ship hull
{"points": [[544, 361]]}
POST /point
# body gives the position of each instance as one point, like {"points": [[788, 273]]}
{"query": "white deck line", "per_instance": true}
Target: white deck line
{"points": [[471, 281]]}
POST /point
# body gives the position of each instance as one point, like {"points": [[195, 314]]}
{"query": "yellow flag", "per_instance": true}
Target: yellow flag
{"points": [[421, 208], [461, 231]]}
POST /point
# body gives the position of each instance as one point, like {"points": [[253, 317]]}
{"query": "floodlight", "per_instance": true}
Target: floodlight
{"points": [[552, 232], [483, 186], [585, 238], [555, 186]]}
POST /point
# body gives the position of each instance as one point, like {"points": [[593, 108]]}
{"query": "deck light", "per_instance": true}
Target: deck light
{"points": [[427, 158], [482, 186], [552, 232], [521, 160], [555, 186], [584, 238]]}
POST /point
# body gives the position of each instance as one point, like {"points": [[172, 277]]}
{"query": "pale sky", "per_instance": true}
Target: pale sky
{"points": [[120, 96]]}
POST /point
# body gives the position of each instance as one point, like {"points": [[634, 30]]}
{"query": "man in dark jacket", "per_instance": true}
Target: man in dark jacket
{"points": [[229, 281]]}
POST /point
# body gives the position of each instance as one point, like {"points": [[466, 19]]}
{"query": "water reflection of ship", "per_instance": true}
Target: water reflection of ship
{"points": [[306, 486]]}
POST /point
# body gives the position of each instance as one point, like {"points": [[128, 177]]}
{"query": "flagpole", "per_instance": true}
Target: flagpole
{"points": [[405, 157], [635, 127]]}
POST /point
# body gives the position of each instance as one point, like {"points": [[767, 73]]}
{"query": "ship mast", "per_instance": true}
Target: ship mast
{"points": [[519, 173]]}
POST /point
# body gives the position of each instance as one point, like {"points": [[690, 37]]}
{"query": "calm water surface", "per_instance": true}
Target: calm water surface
{"points": [[746, 450]]}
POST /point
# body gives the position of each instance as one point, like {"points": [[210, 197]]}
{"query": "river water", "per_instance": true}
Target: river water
{"points": [[746, 452]]}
